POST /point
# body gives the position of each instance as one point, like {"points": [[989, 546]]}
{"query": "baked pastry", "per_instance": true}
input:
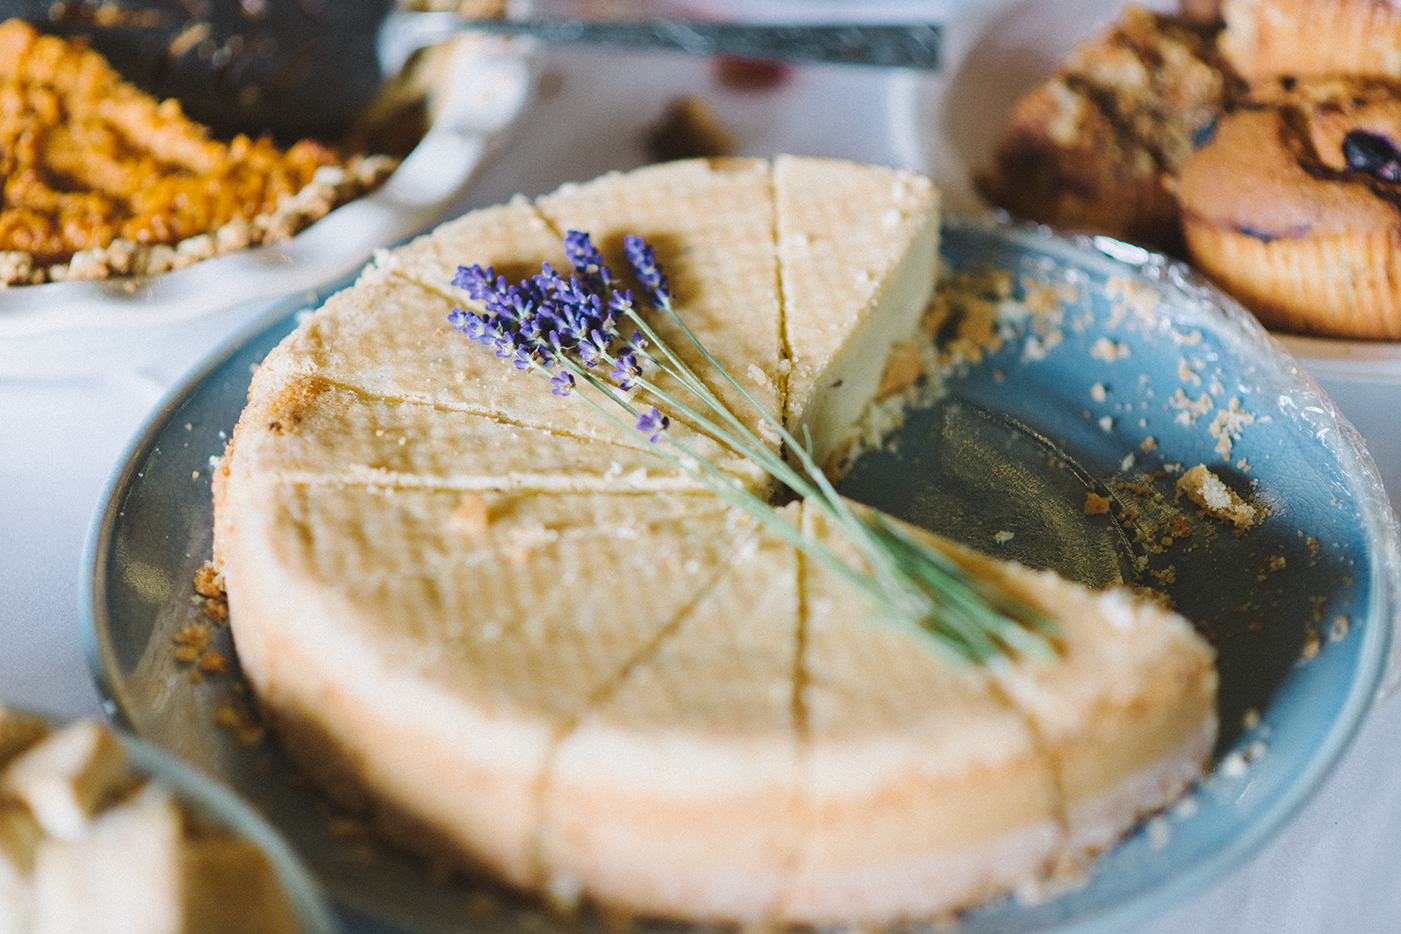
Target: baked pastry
{"points": [[1292, 207], [1312, 38], [481, 613], [102, 179], [1096, 146]]}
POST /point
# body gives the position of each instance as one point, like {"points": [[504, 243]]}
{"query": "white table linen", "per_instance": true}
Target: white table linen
{"points": [[71, 401]]}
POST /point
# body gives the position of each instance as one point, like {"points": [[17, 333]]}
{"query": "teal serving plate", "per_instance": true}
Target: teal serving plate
{"points": [[1100, 391]]}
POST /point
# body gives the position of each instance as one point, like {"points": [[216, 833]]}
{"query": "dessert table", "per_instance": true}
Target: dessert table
{"points": [[71, 399]]}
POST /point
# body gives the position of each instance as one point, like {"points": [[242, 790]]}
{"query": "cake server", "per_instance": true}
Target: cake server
{"points": [[303, 67], [914, 45]]}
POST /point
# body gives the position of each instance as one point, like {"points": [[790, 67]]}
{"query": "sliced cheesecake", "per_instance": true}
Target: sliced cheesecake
{"points": [[859, 251], [525, 643]]}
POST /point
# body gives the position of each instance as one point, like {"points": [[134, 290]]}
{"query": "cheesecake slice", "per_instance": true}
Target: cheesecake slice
{"points": [[309, 430], [704, 726], [925, 789], [858, 247], [930, 788], [711, 222], [389, 338], [421, 652]]}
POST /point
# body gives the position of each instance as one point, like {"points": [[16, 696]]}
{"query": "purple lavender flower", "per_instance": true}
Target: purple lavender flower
{"points": [[477, 327], [563, 384], [538, 320], [653, 422], [621, 302], [478, 282], [643, 260], [594, 346], [625, 371], [587, 261], [460, 319]]}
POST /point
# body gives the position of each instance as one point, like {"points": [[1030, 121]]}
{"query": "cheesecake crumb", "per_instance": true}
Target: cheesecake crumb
{"points": [[1109, 351], [192, 640], [238, 716], [1339, 629], [1204, 488], [1159, 832], [1233, 765], [689, 128], [1185, 808], [1096, 505], [209, 582], [902, 369]]}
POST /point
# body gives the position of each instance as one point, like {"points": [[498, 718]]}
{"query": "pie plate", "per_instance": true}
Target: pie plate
{"points": [[485, 88], [1117, 369]]}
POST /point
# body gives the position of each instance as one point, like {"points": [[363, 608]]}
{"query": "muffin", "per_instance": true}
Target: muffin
{"points": [[1292, 207], [1307, 38], [1096, 147]]}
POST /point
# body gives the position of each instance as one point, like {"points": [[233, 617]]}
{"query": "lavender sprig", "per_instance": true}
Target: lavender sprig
{"points": [[569, 329]]}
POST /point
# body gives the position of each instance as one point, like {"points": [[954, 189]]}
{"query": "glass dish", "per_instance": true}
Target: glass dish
{"points": [[217, 805], [1092, 410]]}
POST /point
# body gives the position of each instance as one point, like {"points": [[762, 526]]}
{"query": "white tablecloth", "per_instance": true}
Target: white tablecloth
{"points": [[70, 402]]}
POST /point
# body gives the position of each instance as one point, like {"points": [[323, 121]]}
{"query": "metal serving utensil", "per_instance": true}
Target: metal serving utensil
{"points": [[303, 67], [893, 45]]}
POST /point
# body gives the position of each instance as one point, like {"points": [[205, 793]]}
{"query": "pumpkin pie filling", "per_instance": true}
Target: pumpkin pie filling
{"points": [[102, 179]]}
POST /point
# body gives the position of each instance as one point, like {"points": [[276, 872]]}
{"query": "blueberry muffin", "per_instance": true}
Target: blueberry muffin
{"points": [[1292, 206]]}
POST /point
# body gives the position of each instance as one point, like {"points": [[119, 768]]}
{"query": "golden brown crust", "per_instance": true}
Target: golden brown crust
{"points": [[1274, 211], [1260, 176], [1264, 38]]}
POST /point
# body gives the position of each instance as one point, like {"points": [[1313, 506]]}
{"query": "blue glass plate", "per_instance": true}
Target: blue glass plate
{"points": [[1094, 394]]}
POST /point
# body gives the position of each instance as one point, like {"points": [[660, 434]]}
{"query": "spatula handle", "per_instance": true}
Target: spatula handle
{"points": [[898, 45]]}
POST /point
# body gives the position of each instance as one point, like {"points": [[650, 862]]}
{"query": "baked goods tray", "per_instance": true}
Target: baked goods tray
{"points": [[1106, 353], [484, 87]]}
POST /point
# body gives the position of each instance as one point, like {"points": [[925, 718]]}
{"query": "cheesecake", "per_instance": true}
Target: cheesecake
{"points": [[496, 623]]}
